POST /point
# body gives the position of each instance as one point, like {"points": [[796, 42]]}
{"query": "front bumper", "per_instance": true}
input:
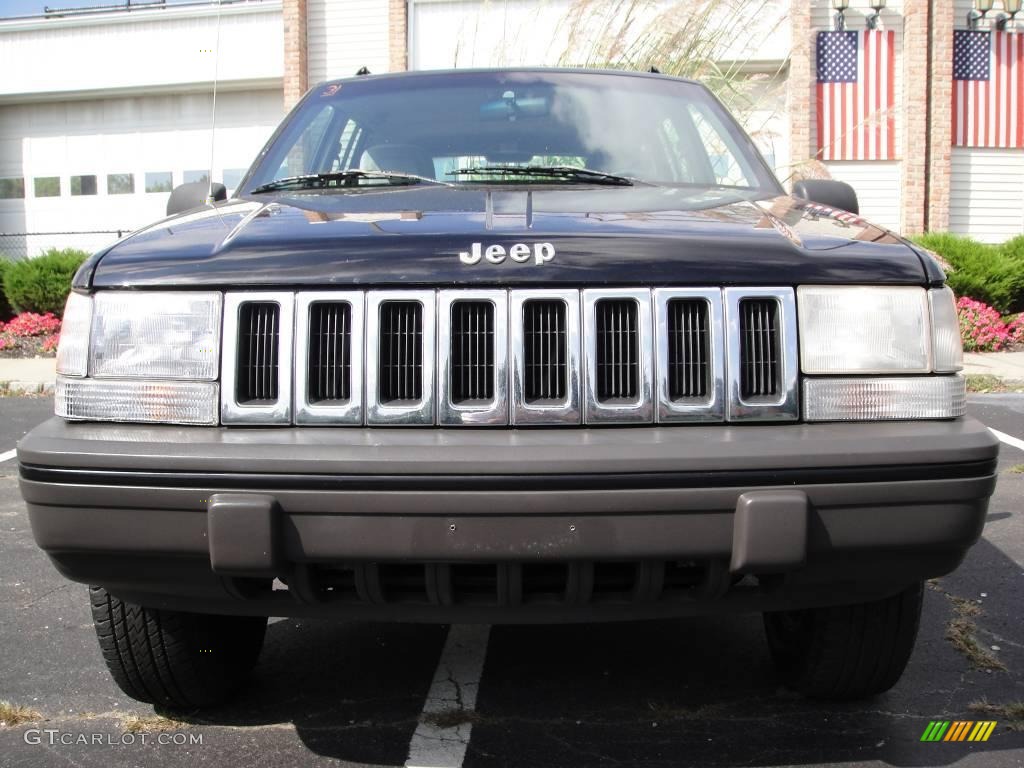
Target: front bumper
{"points": [[532, 525]]}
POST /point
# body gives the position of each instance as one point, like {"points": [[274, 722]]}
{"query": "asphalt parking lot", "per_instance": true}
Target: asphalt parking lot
{"points": [[667, 693]]}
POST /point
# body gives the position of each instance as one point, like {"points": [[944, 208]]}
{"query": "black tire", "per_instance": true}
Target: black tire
{"points": [[172, 658], [845, 652]]}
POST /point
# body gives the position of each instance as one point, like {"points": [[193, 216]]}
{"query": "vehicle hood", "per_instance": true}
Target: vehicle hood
{"points": [[647, 235]]}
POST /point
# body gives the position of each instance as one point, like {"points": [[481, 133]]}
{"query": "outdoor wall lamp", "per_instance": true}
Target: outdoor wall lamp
{"points": [[842, 6], [977, 17], [1011, 7], [876, 6]]}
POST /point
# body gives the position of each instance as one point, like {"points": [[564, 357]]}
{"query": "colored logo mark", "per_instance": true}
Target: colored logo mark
{"points": [[958, 730]]}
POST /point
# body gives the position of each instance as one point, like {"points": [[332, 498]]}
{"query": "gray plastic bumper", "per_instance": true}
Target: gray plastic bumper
{"points": [[191, 516]]}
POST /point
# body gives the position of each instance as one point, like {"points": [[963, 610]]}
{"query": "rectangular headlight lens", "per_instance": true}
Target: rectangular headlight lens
{"points": [[156, 335], [882, 398], [167, 402], [73, 348], [853, 329]]}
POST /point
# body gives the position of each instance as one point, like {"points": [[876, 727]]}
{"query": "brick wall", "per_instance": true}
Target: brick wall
{"points": [[296, 67], [914, 113], [800, 97], [941, 103], [398, 31]]}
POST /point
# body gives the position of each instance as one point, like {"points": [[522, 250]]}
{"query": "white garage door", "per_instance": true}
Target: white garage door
{"points": [[108, 164]]}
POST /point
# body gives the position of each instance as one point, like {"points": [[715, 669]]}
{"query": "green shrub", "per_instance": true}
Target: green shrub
{"points": [[993, 274], [5, 307], [42, 284]]}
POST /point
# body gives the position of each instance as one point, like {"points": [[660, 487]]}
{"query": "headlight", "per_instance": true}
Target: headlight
{"points": [[146, 357], [857, 330], [863, 330], [156, 336], [847, 332]]}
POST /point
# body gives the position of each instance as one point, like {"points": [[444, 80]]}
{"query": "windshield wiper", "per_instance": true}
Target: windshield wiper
{"points": [[336, 179], [564, 173]]}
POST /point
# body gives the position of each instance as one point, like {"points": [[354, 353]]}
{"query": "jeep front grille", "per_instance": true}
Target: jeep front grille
{"points": [[520, 357]]}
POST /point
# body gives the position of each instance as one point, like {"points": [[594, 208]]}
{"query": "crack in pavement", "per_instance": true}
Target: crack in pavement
{"points": [[452, 692]]}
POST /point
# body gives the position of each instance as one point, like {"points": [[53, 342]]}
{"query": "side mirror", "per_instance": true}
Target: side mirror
{"points": [[192, 195], [834, 194]]}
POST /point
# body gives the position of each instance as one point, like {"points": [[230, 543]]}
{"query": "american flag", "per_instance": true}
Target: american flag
{"points": [[988, 78], [856, 73]]}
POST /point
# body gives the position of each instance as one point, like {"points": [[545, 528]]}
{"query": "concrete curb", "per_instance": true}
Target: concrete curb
{"points": [[26, 387], [29, 376], [1002, 365]]}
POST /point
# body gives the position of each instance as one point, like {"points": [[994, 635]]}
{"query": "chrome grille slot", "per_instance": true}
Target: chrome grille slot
{"points": [[688, 349], [544, 351], [618, 339], [759, 348], [256, 358], [472, 351], [762, 354], [618, 360], [329, 357], [546, 356], [691, 355], [400, 358], [401, 352], [329, 353], [256, 372], [472, 357]]}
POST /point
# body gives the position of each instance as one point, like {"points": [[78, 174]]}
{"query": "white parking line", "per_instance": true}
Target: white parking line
{"points": [[1008, 439], [451, 700], [8, 455]]}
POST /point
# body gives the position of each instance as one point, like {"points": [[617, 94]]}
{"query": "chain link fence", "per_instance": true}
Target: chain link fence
{"points": [[15, 246]]}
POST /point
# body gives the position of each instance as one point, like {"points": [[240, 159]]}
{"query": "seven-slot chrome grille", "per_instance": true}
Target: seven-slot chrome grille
{"points": [[510, 357]]}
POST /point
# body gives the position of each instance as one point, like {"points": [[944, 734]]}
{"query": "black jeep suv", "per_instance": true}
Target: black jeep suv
{"points": [[508, 346]]}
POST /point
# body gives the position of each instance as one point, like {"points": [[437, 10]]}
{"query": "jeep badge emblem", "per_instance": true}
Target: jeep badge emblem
{"points": [[542, 253]]}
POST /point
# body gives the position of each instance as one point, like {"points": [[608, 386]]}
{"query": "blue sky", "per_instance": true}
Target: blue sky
{"points": [[10, 8]]}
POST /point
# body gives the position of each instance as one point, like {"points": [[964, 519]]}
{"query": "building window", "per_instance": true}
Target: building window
{"points": [[47, 186], [158, 181], [120, 183], [232, 177], [12, 188], [203, 176], [83, 185]]}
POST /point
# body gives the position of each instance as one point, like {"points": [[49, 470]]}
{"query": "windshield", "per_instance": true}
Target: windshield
{"points": [[514, 128]]}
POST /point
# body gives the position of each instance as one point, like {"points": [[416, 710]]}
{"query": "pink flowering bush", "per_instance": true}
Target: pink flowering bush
{"points": [[49, 345], [30, 334], [1015, 329], [983, 329], [32, 324]]}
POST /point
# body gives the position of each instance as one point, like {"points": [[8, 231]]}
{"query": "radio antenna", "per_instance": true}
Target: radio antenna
{"points": [[213, 117]]}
